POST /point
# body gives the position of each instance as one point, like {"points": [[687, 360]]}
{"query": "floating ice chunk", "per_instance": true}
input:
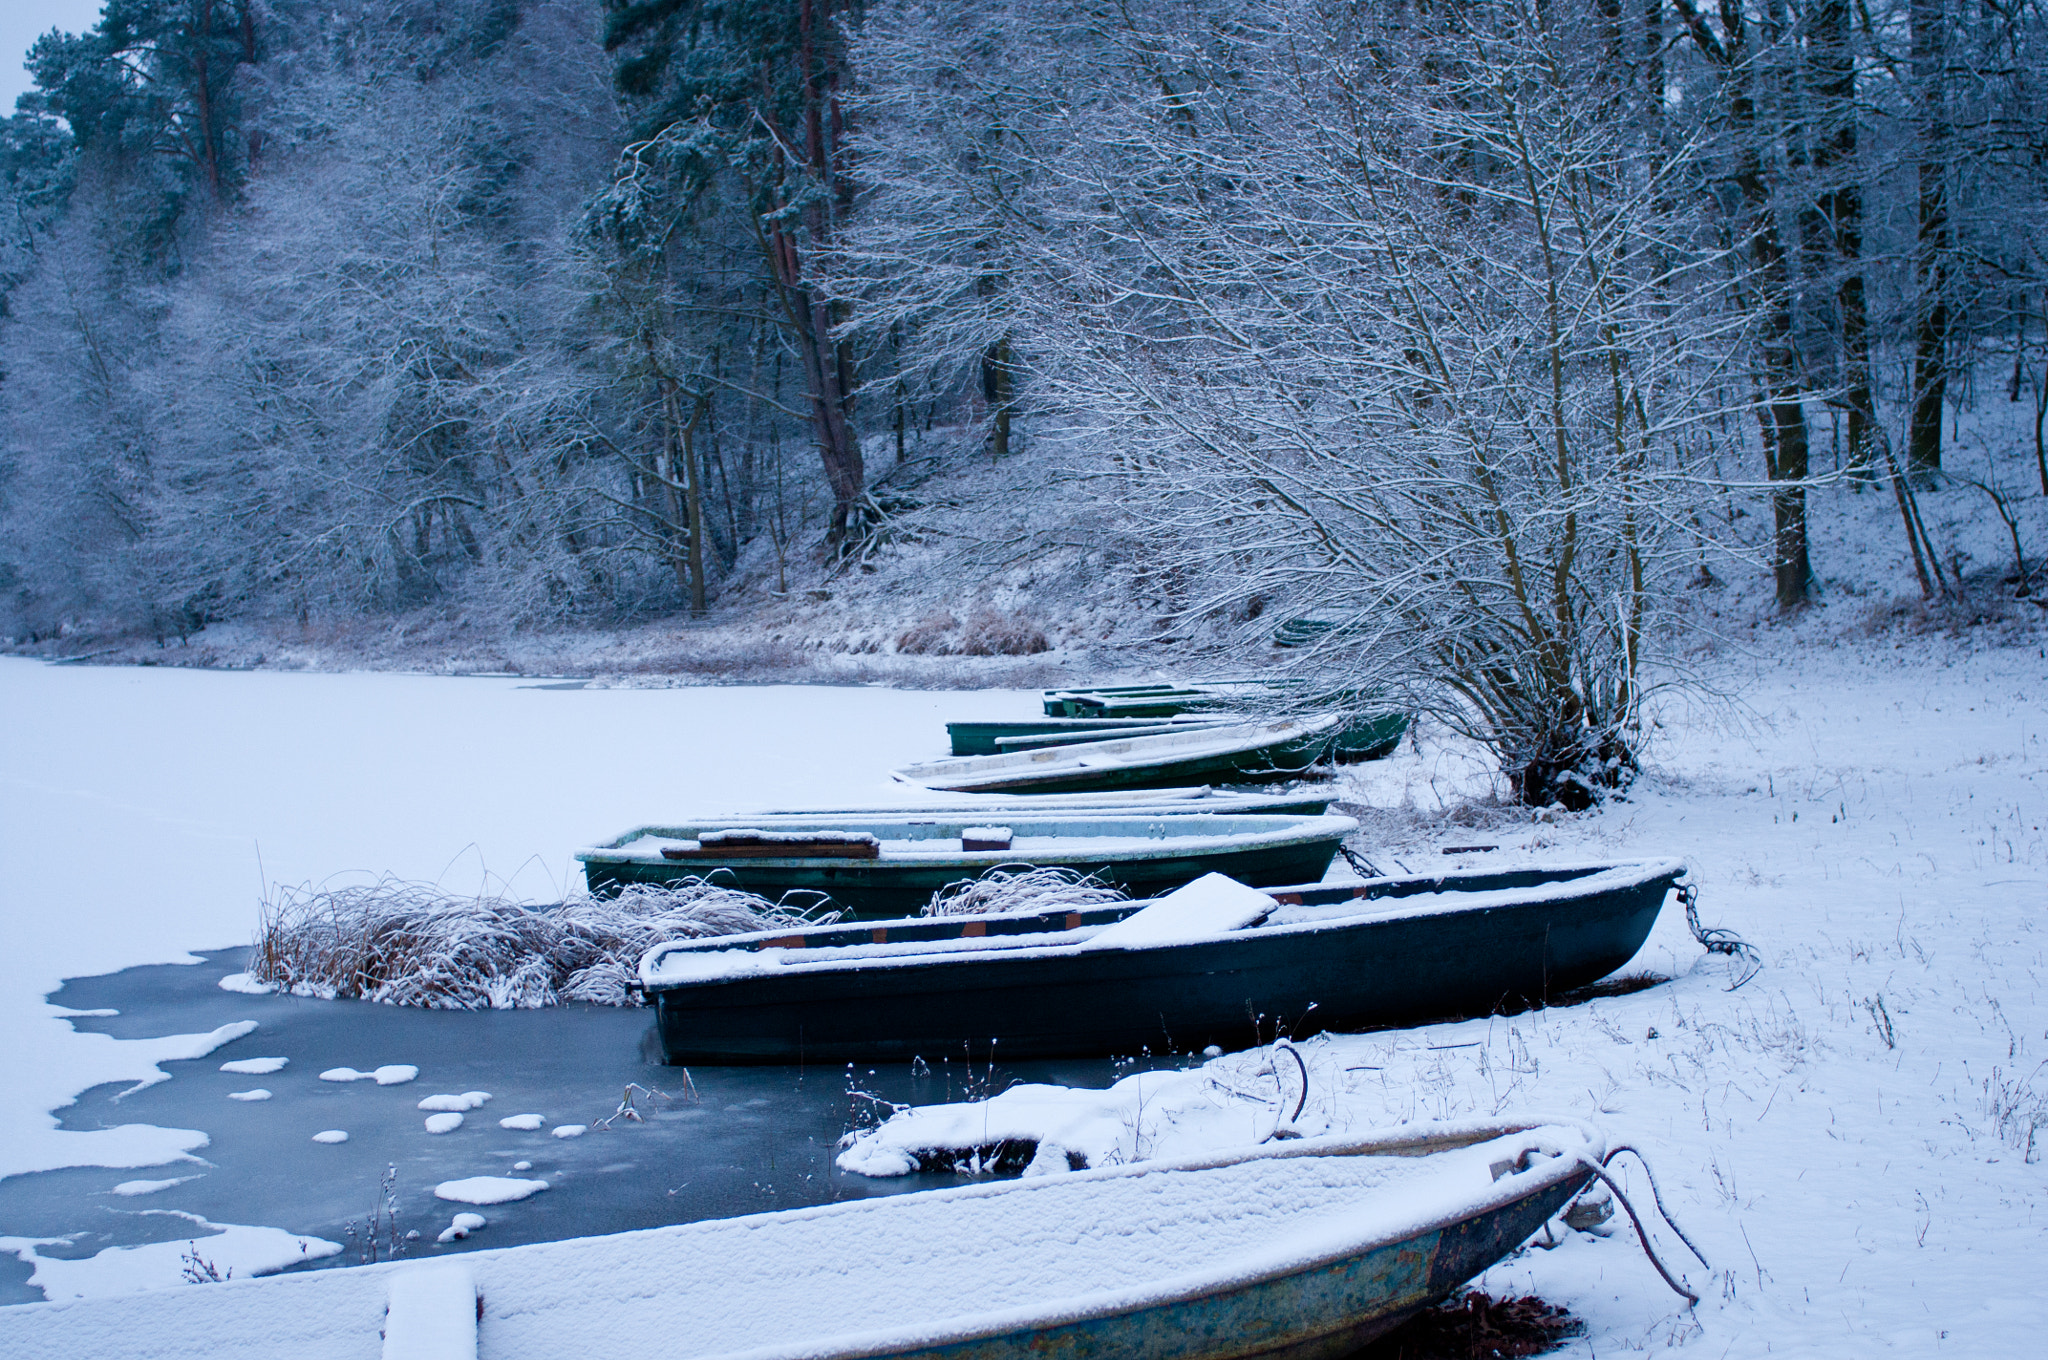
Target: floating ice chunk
{"points": [[99, 1014], [462, 1226], [254, 1067], [148, 1187], [446, 1122], [488, 1189], [1212, 1051], [395, 1074], [522, 1123], [331, 1136], [344, 1074], [522, 1166], [257, 1094], [248, 986], [571, 1130], [468, 1100]]}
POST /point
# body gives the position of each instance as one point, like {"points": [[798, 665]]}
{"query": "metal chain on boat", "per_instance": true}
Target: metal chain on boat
{"points": [[1360, 865], [1716, 940]]}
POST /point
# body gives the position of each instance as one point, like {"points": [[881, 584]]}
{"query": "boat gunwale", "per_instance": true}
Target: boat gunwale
{"points": [[1507, 1190], [1645, 872]]}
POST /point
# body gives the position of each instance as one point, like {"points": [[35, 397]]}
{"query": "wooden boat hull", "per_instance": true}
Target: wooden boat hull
{"points": [[1555, 933], [1254, 849]]}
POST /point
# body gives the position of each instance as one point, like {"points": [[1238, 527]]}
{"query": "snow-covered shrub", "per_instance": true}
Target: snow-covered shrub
{"points": [[412, 944], [1023, 888], [928, 636], [991, 633]]}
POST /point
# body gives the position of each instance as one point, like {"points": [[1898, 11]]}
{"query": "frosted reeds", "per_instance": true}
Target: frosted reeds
{"points": [[413, 944]]}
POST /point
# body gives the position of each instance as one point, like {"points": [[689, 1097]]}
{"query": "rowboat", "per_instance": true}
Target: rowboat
{"points": [[1338, 956], [1242, 752], [891, 864], [1302, 1249], [982, 738], [1366, 735]]}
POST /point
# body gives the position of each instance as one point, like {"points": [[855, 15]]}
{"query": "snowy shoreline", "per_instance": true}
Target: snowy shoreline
{"points": [[1846, 1136]]}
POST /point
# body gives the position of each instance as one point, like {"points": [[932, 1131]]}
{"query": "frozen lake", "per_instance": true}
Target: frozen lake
{"points": [[719, 1143]]}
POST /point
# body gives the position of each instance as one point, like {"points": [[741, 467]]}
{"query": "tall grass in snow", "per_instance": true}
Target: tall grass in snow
{"points": [[412, 944]]}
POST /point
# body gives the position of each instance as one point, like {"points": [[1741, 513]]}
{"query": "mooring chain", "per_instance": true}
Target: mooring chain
{"points": [[1716, 940], [1360, 865]]}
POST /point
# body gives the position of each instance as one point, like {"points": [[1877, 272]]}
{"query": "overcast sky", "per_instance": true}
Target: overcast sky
{"points": [[21, 23]]}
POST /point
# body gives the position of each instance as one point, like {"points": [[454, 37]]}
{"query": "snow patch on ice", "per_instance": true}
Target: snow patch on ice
{"points": [[227, 1247], [446, 1122], [395, 1074], [520, 1123], [462, 1226], [571, 1130], [149, 1187], [522, 1166], [488, 1189], [258, 1093], [468, 1100], [254, 1067], [331, 1136], [344, 1074], [246, 985]]}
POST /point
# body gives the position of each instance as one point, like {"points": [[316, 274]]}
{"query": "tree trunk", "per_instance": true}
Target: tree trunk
{"points": [[1780, 379], [1931, 317], [1841, 204]]}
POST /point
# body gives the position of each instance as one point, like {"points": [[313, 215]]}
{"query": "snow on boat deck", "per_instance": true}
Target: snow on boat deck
{"points": [[881, 1272]]}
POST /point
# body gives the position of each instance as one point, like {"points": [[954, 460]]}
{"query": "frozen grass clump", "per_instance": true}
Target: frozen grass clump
{"points": [[412, 944], [1023, 888]]}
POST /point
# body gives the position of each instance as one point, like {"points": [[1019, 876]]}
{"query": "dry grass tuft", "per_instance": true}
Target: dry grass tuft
{"points": [[1023, 888], [1476, 1326], [412, 944]]}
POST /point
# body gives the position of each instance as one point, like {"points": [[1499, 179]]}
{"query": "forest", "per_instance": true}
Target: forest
{"points": [[1463, 333]]}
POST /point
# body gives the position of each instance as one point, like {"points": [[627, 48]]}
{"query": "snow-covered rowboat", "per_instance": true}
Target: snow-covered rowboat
{"points": [[1214, 963], [1243, 752], [892, 863], [1302, 1250], [993, 738]]}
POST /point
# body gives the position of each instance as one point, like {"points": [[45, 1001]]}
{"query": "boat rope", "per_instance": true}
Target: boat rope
{"points": [[1642, 1234], [1301, 1104], [1716, 940], [1657, 1195]]}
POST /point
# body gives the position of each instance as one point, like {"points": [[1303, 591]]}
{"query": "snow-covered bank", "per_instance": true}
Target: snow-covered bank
{"points": [[1858, 1138], [1844, 1135]]}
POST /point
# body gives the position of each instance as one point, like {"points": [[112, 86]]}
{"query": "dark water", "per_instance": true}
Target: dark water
{"points": [[723, 1142]]}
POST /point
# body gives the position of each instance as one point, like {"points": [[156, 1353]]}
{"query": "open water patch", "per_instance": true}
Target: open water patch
{"points": [[659, 1144]]}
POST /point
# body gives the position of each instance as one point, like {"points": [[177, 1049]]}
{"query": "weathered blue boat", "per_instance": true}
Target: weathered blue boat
{"points": [[1299, 1250], [1341, 956]]}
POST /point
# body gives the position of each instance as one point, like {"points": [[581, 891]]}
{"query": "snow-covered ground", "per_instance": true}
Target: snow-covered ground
{"points": [[1853, 1138]]}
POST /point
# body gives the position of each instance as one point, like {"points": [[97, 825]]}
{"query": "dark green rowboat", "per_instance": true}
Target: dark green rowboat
{"points": [[916, 854], [980, 738], [1344, 956]]}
